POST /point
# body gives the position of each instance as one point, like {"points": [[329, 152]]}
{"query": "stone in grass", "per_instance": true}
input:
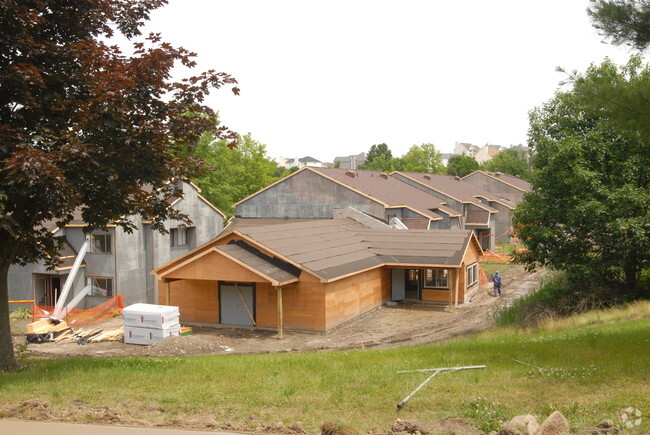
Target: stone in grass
{"points": [[508, 430], [408, 426], [329, 428], [555, 424], [526, 424], [605, 427]]}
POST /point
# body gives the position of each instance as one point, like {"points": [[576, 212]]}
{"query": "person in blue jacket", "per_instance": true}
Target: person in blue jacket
{"points": [[496, 279]]}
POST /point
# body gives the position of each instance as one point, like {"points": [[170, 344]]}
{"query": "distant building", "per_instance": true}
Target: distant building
{"points": [[466, 149], [300, 162], [445, 158], [486, 152], [351, 161]]}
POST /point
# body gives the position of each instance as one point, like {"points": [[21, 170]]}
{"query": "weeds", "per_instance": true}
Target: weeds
{"points": [[20, 313]]}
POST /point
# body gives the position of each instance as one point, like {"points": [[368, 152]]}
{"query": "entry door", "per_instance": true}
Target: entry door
{"points": [[237, 304]]}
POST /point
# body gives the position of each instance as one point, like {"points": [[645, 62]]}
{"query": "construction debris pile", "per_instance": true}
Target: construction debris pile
{"points": [[54, 330]]}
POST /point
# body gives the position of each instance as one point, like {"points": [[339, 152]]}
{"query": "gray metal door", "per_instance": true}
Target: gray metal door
{"points": [[237, 304], [398, 281]]}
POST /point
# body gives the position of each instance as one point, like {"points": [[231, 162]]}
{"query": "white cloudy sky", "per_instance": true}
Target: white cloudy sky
{"points": [[329, 78]]}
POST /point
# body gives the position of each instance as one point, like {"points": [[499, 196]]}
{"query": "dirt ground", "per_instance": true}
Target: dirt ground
{"points": [[404, 325]]}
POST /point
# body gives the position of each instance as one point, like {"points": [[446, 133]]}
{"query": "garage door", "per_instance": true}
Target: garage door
{"points": [[237, 304]]}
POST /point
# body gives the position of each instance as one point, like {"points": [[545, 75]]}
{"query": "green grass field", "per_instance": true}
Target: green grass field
{"points": [[588, 367]]}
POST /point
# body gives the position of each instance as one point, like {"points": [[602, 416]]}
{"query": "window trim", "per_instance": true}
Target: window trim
{"points": [[94, 280], [93, 247], [434, 272], [474, 268]]}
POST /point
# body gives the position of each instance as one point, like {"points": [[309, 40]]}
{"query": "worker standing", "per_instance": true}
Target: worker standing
{"points": [[496, 279]]}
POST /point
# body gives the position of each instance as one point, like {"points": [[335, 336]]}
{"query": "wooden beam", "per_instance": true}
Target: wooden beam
{"points": [[457, 280], [169, 292], [280, 315]]}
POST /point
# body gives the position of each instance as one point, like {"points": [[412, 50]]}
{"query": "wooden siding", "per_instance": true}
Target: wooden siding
{"points": [[197, 300], [435, 295], [214, 266], [358, 294]]}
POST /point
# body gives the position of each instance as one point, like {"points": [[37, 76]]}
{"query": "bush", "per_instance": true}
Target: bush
{"points": [[556, 297]]}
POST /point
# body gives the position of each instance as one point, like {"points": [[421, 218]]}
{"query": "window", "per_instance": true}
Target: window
{"points": [[472, 274], [436, 278], [101, 243], [101, 286], [178, 236]]}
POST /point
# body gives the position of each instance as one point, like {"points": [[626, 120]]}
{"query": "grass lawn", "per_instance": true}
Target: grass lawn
{"points": [[590, 367]]}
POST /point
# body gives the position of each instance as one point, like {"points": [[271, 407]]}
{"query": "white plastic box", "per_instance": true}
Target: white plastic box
{"points": [[150, 316], [148, 336]]}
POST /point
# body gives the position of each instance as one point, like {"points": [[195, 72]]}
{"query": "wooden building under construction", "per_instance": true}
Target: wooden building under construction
{"points": [[316, 275]]}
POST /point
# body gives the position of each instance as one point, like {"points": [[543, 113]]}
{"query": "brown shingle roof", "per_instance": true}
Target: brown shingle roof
{"points": [[456, 188], [336, 248], [388, 190], [509, 179]]}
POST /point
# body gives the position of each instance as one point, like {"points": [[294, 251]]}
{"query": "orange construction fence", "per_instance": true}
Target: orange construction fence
{"points": [[80, 317]]}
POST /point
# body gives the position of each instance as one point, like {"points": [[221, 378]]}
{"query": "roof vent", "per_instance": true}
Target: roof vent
{"points": [[457, 178], [427, 177], [350, 174], [384, 175]]}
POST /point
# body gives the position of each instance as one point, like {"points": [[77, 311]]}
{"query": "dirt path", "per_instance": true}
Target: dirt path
{"points": [[385, 327]]}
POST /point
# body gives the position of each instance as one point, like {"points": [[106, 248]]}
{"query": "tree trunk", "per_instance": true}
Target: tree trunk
{"points": [[7, 357]]}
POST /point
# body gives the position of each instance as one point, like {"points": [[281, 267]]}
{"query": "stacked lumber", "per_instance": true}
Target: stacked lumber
{"points": [[48, 330]]}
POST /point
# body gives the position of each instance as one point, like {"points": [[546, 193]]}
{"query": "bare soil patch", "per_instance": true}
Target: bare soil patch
{"points": [[406, 324]]}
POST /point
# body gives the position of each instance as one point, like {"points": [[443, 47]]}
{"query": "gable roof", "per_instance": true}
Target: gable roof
{"points": [[508, 179], [391, 192], [457, 189], [336, 248], [377, 186]]}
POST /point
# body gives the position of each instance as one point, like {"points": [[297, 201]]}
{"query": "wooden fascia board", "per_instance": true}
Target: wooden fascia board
{"points": [[60, 269], [495, 200], [273, 282], [431, 218], [160, 269], [429, 187], [270, 186], [274, 252], [497, 179], [223, 215], [340, 183], [392, 265]]}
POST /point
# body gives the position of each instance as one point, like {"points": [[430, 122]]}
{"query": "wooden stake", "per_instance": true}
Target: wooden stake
{"points": [[169, 293]]}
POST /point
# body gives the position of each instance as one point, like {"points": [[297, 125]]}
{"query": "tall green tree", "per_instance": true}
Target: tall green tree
{"points": [[377, 151], [622, 21], [84, 126], [589, 212], [509, 161], [423, 158], [239, 172], [460, 166]]}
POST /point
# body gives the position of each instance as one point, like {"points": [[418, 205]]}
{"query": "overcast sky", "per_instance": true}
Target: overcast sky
{"points": [[331, 78]]}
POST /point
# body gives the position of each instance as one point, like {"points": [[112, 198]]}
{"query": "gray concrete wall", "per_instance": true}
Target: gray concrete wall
{"points": [[306, 195], [132, 255], [503, 223], [495, 186]]}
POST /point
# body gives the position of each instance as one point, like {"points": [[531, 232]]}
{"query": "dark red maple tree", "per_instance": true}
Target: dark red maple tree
{"points": [[83, 126]]}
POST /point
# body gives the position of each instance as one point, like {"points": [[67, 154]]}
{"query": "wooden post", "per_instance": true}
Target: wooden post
{"points": [[451, 292], [280, 317], [457, 280], [169, 293]]}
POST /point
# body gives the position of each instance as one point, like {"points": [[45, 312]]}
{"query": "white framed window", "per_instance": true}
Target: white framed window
{"points": [[472, 274], [178, 236], [101, 286], [101, 243], [436, 279]]}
